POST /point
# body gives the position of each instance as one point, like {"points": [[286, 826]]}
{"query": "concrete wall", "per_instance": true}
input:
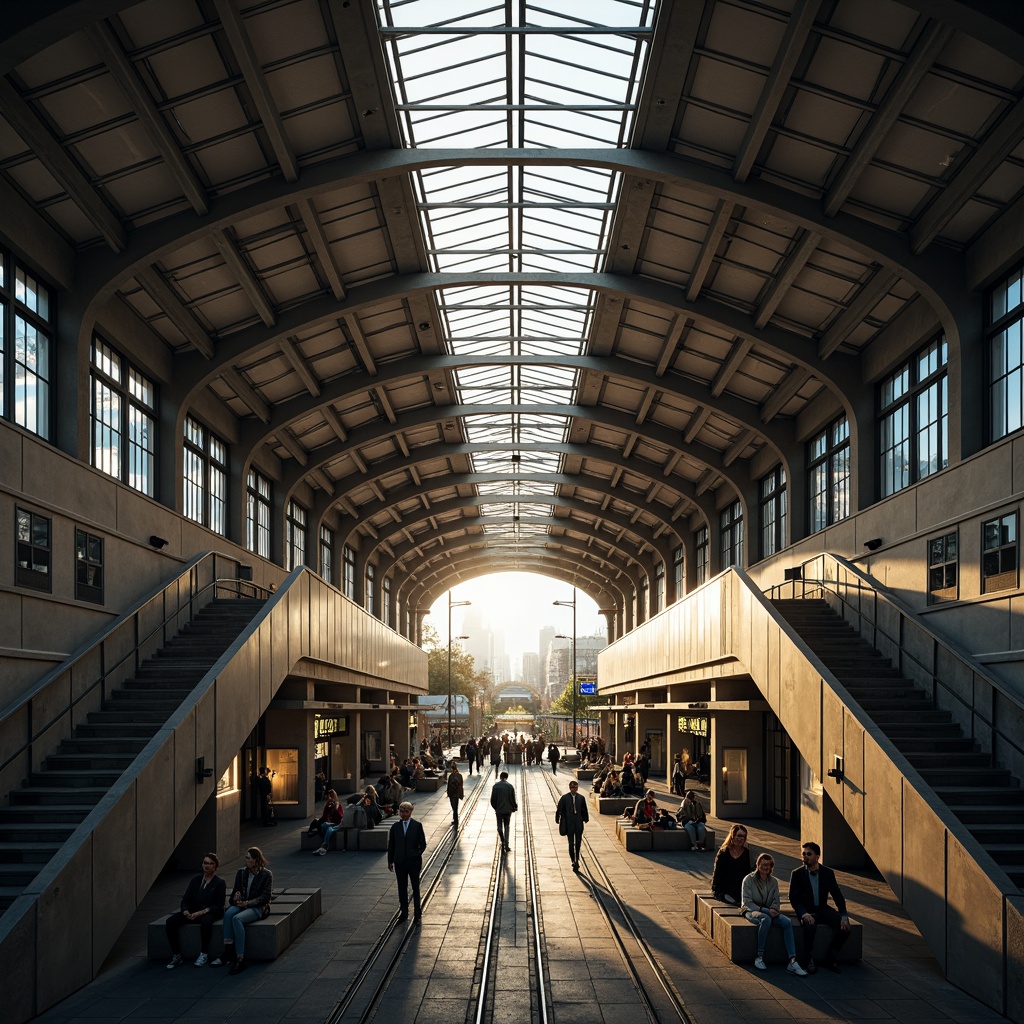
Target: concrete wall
{"points": [[961, 498], [955, 893], [78, 905]]}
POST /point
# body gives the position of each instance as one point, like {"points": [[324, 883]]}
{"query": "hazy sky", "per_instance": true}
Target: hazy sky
{"points": [[518, 603]]}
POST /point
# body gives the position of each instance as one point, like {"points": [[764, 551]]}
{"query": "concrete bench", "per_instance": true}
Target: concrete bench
{"points": [[430, 785], [615, 804], [584, 774], [374, 839], [291, 913], [736, 937], [338, 840], [661, 839]]}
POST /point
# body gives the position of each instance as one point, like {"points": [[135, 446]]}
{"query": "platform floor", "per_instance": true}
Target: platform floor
{"points": [[898, 978]]}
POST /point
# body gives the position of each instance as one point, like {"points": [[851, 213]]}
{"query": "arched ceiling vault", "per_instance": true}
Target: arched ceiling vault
{"points": [[416, 298]]}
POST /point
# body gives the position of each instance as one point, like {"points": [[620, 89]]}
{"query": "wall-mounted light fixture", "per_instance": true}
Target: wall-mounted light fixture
{"points": [[158, 542], [874, 544], [836, 772], [202, 772]]}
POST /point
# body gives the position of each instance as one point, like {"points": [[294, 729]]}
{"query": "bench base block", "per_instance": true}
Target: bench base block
{"points": [[736, 937]]}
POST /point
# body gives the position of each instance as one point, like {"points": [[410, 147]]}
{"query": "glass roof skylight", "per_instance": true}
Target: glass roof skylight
{"points": [[516, 75]]}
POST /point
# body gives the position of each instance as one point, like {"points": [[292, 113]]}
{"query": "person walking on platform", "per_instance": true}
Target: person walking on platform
{"points": [[570, 817], [503, 800], [265, 788], [480, 756], [456, 792], [554, 754], [471, 753], [406, 843], [809, 889], [494, 747]]}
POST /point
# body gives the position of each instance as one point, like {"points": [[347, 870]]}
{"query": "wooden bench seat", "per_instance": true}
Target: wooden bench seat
{"points": [[736, 937], [291, 913]]}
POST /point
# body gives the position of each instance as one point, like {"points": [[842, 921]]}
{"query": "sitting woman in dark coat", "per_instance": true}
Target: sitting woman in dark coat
{"points": [[203, 903], [732, 865], [251, 896]]}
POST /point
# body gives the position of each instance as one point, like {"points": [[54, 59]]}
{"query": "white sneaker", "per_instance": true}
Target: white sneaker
{"points": [[760, 964], [202, 960], [322, 852], [795, 968], [175, 961]]}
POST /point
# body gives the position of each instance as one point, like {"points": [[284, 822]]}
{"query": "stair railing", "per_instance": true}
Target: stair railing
{"points": [[36, 722], [977, 700]]}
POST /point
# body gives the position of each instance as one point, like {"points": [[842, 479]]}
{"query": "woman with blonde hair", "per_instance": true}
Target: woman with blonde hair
{"points": [[763, 907]]}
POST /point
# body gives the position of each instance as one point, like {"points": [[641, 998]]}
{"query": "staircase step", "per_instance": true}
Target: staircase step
{"points": [[66, 814], [993, 834], [1000, 814], [8, 894], [951, 761], [964, 794], [924, 718], [35, 854], [146, 697], [36, 832], [867, 691], [114, 730], [96, 746], [92, 778], [150, 716], [983, 777], [18, 874], [88, 762], [926, 744], [57, 796], [904, 730]]}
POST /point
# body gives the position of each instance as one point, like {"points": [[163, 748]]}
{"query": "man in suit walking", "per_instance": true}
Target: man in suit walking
{"points": [[456, 792], [570, 817], [503, 800], [809, 889], [406, 843]]}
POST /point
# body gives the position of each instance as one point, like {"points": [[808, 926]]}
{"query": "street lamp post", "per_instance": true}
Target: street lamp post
{"points": [[452, 604], [572, 604]]}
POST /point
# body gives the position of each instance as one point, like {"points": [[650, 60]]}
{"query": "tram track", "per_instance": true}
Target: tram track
{"points": [[540, 1000], [656, 993], [655, 989], [360, 999]]}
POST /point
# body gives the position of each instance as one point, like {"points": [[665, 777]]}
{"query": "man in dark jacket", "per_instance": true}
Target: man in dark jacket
{"points": [[494, 747], [570, 817], [554, 755], [456, 792], [503, 800], [406, 843], [809, 889]]}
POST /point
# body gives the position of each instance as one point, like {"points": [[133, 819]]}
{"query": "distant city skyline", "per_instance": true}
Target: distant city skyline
{"points": [[518, 605]]}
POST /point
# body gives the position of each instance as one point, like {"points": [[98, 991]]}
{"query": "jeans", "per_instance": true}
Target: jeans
{"points": [[696, 831], [326, 831], [235, 920], [764, 923]]}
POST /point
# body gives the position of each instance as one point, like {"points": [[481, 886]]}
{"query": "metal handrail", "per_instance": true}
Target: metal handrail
{"points": [[96, 645], [868, 611]]}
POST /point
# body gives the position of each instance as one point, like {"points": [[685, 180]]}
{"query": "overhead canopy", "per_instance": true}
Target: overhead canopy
{"points": [[519, 286]]}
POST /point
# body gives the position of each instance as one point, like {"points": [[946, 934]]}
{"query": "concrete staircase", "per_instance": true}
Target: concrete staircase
{"points": [[986, 798], [45, 810]]}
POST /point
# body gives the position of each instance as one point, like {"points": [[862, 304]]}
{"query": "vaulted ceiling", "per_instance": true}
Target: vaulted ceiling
{"points": [[511, 286]]}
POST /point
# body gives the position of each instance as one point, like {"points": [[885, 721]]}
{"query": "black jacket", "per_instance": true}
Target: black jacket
{"points": [[802, 896], [211, 898], [405, 848], [260, 893]]}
